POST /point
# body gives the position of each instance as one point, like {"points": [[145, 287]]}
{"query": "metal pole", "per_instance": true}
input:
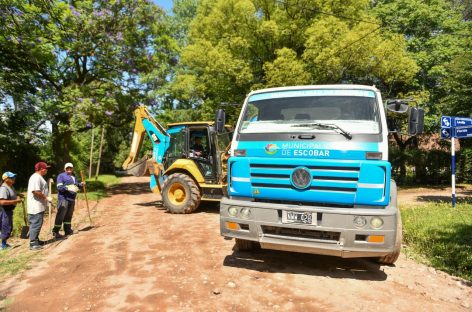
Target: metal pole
{"points": [[453, 171], [85, 195], [91, 155], [100, 153]]}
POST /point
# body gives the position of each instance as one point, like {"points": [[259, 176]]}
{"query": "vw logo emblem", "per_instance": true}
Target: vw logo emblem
{"points": [[301, 178]]}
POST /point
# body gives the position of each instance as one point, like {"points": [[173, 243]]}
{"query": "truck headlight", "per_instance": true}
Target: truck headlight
{"points": [[376, 222], [359, 221], [245, 213], [232, 211]]}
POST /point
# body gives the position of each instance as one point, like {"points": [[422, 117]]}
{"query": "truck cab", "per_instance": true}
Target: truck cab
{"points": [[309, 172]]}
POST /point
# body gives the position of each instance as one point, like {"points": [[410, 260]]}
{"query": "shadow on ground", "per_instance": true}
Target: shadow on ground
{"points": [[467, 199], [129, 189], [274, 261], [205, 207]]}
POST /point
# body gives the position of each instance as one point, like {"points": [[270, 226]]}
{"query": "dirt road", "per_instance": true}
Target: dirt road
{"points": [[137, 257]]}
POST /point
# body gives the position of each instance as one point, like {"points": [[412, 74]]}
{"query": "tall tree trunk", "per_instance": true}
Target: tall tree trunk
{"points": [[402, 145], [61, 142]]}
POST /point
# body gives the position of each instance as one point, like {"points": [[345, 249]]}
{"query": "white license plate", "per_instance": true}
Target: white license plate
{"points": [[298, 217]]}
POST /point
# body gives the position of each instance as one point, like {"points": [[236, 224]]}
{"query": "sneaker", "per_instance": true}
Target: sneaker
{"points": [[57, 235], [41, 243], [7, 246], [36, 247]]}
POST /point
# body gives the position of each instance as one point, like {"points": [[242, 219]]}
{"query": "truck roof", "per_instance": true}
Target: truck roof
{"points": [[311, 87], [191, 123]]}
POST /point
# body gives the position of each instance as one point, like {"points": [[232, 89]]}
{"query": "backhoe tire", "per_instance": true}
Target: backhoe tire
{"points": [[180, 194], [245, 245], [393, 256]]}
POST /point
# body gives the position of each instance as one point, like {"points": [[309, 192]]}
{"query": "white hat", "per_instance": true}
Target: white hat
{"points": [[68, 165]]}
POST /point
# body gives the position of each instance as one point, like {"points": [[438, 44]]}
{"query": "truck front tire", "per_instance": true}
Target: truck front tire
{"points": [[180, 194], [245, 245], [393, 256]]}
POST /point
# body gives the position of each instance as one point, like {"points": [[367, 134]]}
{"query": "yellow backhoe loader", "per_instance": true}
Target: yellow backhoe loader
{"points": [[187, 160]]}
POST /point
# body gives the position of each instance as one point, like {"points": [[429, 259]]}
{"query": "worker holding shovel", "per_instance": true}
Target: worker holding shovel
{"points": [[8, 201], [67, 186]]}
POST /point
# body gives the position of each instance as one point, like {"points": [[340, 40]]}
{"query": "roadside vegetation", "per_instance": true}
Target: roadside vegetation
{"points": [[13, 261], [440, 236]]}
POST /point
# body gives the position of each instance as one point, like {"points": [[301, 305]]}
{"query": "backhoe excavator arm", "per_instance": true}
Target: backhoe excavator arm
{"points": [[145, 123]]}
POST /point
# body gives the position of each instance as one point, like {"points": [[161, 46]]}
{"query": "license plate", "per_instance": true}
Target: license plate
{"points": [[297, 217]]}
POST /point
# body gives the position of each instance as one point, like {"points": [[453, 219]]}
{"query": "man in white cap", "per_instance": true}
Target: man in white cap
{"points": [[67, 187]]}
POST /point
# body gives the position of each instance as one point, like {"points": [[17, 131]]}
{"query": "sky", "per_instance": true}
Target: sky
{"points": [[166, 4]]}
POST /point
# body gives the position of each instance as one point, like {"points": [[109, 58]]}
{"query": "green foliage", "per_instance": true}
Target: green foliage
{"points": [[83, 64], [18, 151], [435, 35], [286, 70], [239, 45], [441, 236], [334, 56], [97, 189], [464, 168], [458, 85]]}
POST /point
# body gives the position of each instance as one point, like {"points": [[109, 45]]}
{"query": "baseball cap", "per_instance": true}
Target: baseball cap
{"points": [[41, 165], [68, 165], [7, 175]]}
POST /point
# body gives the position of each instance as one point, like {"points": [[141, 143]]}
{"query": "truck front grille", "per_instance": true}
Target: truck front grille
{"points": [[325, 178], [300, 233]]}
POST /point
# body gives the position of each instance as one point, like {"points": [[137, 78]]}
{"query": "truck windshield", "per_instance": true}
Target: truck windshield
{"points": [[296, 111]]}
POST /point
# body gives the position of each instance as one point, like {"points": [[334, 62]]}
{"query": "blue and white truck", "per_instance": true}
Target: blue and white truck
{"points": [[309, 172]]}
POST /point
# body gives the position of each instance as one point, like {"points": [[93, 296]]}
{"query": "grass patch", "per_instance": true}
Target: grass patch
{"points": [[440, 236], [96, 189], [11, 265]]}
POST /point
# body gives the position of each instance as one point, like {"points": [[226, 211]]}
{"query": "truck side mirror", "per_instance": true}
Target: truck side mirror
{"points": [[397, 106], [415, 121], [220, 120]]}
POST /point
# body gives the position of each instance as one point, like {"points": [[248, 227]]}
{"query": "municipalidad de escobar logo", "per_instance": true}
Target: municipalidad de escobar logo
{"points": [[271, 149]]}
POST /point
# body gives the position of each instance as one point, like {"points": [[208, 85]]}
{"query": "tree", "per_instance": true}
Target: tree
{"points": [[436, 36], [83, 61], [239, 45]]}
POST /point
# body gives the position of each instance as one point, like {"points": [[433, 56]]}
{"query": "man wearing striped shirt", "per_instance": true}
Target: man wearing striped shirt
{"points": [[67, 186]]}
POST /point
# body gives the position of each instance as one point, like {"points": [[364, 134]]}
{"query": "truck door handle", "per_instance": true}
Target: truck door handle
{"points": [[306, 136]]}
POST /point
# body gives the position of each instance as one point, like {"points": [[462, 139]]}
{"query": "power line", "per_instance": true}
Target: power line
{"points": [[328, 13], [381, 25], [355, 41]]}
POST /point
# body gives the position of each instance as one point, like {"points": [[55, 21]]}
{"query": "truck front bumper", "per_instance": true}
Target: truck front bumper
{"points": [[334, 231]]}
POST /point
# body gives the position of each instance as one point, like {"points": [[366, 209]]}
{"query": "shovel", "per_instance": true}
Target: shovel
{"points": [[25, 228]]}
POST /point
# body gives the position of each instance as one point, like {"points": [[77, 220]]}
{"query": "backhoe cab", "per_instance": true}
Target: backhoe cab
{"points": [[186, 162]]}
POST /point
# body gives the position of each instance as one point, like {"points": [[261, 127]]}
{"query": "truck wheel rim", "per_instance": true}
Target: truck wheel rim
{"points": [[176, 194]]}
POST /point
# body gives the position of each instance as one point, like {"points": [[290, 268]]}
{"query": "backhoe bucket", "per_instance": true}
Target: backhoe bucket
{"points": [[139, 168]]}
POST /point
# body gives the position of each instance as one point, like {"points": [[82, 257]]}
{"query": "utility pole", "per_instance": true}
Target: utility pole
{"points": [[100, 152], [91, 155]]}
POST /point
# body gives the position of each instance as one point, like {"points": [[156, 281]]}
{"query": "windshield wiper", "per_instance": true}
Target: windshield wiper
{"points": [[318, 125]]}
